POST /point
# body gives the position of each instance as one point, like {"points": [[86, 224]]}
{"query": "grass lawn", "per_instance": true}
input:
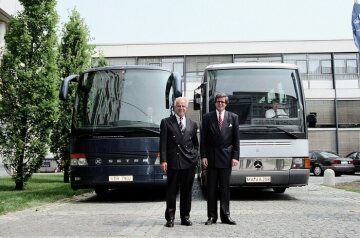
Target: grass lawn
{"points": [[353, 186], [40, 189]]}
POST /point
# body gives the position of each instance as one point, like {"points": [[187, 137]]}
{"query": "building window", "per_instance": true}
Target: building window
{"points": [[346, 70], [348, 113], [324, 110], [325, 66]]}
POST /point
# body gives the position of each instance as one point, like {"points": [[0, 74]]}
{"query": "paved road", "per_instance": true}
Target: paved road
{"points": [[311, 211]]}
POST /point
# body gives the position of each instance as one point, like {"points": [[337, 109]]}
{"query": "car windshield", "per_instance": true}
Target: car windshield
{"points": [[115, 99], [327, 154]]}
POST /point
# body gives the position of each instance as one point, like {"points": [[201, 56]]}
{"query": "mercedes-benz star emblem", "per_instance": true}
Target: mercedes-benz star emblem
{"points": [[98, 161], [258, 164]]}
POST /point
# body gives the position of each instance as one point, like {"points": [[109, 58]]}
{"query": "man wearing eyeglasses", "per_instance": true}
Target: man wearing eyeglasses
{"points": [[219, 149]]}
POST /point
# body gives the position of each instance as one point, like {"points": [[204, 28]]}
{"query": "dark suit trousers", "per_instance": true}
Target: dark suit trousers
{"points": [[218, 179], [183, 178]]}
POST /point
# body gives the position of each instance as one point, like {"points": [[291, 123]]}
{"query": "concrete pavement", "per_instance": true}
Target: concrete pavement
{"points": [[311, 211]]}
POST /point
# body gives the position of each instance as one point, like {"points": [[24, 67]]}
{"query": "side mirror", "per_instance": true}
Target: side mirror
{"points": [[197, 100], [177, 86], [174, 81], [311, 119], [65, 85]]}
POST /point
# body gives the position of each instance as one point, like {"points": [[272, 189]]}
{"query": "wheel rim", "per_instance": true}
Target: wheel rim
{"points": [[317, 171]]}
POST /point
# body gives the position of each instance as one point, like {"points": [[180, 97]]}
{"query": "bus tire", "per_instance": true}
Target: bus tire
{"points": [[279, 190], [101, 192]]}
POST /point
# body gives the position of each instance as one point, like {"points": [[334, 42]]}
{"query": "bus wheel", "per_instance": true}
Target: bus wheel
{"points": [[318, 171], [101, 192], [279, 190]]}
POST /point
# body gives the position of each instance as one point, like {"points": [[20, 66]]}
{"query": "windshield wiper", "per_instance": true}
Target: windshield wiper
{"points": [[248, 128], [285, 131], [134, 129]]}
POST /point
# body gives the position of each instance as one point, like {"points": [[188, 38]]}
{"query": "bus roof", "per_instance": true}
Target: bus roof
{"points": [[252, 65], [117, 67]]}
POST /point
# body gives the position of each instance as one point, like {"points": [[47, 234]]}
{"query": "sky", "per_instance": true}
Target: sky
{"points": [[189, 21]]}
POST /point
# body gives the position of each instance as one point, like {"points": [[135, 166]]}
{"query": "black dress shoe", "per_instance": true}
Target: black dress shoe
{"points": [[170, 223], [210, 221], [228, 220], [186, 222]]}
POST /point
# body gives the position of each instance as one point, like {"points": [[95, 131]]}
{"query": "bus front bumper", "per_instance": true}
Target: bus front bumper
{"points": [[116, 176], [264, 179]]}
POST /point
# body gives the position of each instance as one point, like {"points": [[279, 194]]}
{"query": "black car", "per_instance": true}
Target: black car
{"points": [[322, 160], [355, 156]]}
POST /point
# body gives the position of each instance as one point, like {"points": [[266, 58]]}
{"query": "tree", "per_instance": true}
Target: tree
{"points": [[100, 61], [28, 76], [74, 56]]}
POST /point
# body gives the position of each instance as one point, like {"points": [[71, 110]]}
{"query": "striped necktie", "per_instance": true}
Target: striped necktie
{"points": [[181, 126], [220, 121]]}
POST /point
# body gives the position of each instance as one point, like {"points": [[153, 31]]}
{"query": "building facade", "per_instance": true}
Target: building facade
{"points": [[329, 70], [7, 9]]}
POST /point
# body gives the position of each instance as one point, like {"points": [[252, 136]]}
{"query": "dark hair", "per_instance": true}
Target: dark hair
{"points": [[274, 101], [222, 95]]}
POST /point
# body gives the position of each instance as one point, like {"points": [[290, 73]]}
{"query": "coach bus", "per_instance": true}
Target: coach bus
{"points": [[273, 151], [116, 125]]}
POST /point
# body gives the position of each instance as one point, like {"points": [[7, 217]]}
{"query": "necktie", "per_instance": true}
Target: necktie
{"points": [[180, 124], [220, 121]]}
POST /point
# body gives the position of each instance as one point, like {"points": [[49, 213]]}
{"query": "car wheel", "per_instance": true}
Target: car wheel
{"points": [[279, 190], [318, 171]]}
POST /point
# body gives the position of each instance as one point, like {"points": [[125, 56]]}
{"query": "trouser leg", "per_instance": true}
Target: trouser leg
{"points": [[172, 189], [224, 187], [212, 181], [186, 184]]}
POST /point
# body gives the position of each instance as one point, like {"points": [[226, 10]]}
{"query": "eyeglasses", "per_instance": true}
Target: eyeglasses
{"points": [[221, 102]]}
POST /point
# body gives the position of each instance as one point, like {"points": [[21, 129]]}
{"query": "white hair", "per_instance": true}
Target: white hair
{"points": [[180, 99]]}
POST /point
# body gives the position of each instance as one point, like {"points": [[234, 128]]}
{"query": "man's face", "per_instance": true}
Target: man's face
{"points": [[180, 108], [275, 105], [220, 104]]}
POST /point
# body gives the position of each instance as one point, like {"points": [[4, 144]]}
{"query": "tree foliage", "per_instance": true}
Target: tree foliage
{"points": [[100, 61], [27, 87], [74, 56]]}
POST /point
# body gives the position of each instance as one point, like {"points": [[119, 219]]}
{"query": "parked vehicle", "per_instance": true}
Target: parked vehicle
{"points": [[322, 160], [273, 151], [355, 156]]}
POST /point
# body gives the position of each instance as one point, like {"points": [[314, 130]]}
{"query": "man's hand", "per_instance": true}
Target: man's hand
{"points": [[204, 163], [234, 162], [163, 166]]}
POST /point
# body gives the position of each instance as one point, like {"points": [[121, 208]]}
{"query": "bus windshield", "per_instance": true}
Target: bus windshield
{"points": [[252, 93], [110, 99]]}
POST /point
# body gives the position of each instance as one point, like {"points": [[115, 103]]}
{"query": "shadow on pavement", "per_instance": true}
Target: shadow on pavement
{"points": [[258, 194], [131, 194]]}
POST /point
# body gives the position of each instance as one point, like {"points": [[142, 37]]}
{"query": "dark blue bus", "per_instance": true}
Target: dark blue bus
{"points": [[116, 125]]}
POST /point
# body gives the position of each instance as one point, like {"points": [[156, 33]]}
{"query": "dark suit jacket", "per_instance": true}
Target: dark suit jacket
{"points": [[179, 150], [220, 147]]}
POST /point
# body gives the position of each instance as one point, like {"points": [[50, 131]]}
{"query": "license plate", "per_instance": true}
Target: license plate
{"points": [[266, 179], [344, 162], [127, 178]]}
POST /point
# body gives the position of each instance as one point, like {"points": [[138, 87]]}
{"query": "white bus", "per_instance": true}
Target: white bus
{"points": [[273, 150]]}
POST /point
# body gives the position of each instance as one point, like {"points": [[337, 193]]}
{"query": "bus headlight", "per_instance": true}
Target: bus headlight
{"points": [[301, 163], [82, 162], [78, 159]]}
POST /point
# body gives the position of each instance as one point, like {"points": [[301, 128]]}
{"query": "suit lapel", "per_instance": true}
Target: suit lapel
{"points": [[175, 125], [214, 123], [225, 121]]}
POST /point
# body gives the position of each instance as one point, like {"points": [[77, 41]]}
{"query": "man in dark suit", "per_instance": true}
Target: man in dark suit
{"points": [[179, 156], [219, 152]]}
